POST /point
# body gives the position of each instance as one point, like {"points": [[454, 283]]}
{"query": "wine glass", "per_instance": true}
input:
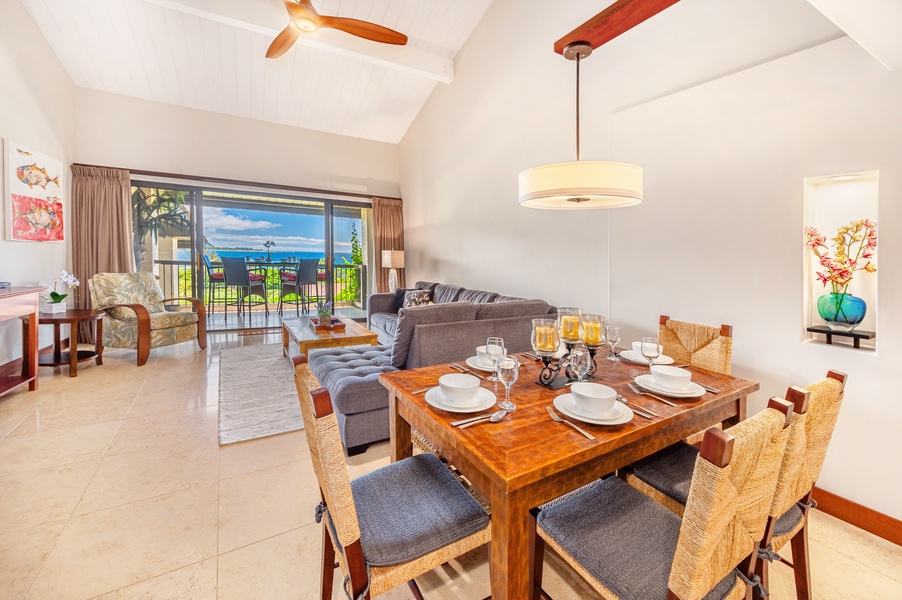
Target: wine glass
{"points": [[494, 350], [612, 338], [580, 361], [650, 350], [508, 371]]}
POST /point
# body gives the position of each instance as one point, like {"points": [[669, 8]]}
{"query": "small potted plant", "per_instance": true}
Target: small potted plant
{"points": [[324, 310], [53, 301], [268, 245]]}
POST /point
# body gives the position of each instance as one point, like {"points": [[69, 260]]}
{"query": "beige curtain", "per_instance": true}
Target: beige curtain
{"points": [[102, 229], [388, 221]]}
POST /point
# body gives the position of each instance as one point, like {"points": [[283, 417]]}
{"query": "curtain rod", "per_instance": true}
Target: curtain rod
{"points": [[293, 188]]}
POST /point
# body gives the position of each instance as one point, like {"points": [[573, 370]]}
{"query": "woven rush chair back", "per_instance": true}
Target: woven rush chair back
{"points": [[235, 271], [813, 421], [327, 456], [729, 500], [698, 345]]}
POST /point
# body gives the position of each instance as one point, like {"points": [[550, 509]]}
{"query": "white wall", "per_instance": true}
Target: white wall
{"points": [[719, 237], [37, 109], [724, 165], [127, 132]]}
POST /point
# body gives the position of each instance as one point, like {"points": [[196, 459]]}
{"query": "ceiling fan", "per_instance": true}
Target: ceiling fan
{"points": [[305, 18]]}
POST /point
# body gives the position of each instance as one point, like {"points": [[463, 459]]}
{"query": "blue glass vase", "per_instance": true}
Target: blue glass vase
{"points": [[841, 312]]}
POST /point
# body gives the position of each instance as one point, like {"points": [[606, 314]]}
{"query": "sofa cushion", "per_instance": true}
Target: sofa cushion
{"points": [[351, 374], [409, 318], [508, 299], [506, 310], [387, 322], [476, 296], [425, 285], [416, 298], [445, 293]]}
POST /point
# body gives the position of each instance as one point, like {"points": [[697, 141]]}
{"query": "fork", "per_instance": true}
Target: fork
{"points": [[644, 393], [565, 421]]}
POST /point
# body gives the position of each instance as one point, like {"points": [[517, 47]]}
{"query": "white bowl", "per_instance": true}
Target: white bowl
{"points": [[671, 378], [483, 357], [459, 389], [637, 348], [593, 399]]}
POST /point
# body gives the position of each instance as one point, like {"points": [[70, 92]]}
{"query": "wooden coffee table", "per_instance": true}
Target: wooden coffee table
{"points": [[300, 331]]}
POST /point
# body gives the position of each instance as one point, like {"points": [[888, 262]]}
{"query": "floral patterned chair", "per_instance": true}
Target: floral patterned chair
{"points": [[137, 318]]}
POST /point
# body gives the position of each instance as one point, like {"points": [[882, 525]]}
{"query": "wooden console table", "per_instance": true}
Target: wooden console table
{"points": [[18, 302]]}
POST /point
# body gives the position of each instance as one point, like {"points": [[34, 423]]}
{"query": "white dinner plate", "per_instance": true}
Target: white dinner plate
{"points": [[566, 405], [634, 357], [436, 398], [475, 363], [693, 390]]}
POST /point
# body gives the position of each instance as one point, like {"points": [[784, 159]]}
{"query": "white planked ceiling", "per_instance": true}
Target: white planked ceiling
{"points": [[209, 55]]}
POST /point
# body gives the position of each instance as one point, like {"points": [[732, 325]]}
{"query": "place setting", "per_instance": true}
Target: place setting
{"points": [[674, 382]]}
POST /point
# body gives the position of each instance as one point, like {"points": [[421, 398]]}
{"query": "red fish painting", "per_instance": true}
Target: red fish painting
{"points": [[36, 220]]}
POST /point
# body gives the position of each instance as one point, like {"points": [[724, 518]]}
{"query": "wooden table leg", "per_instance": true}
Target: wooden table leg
{"points": [[73, 348], [740, 413], [57, 347], [98, 341], [30, 350], [512, 551], [401, 442], [284, 340]]}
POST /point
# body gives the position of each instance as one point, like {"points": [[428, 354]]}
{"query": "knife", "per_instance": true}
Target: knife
{"points": [[470, 420], [708, 388], [464, 369]]}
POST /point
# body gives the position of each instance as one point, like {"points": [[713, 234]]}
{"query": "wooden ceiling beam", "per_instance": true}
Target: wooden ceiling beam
{"points": [[618, 18]]}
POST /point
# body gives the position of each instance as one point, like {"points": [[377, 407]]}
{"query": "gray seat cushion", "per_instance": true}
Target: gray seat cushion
{"points": [[788, 520], [387, 322], [351, 374], [623, 538], [670, 470], [476, 296], [445, 293], [412, 507]]}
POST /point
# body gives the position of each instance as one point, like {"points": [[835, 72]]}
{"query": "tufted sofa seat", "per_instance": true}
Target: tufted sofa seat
{"points": [[351, 374]]}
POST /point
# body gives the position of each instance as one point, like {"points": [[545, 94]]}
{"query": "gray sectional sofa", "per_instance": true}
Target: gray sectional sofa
{"points": [[446, 331]]}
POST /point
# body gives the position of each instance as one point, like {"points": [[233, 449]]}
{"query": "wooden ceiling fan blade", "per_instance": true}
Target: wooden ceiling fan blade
{"points": [[300, 9], [364, 29], [283, 41]]}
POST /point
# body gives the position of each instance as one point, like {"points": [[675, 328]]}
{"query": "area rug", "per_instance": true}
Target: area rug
{"points": [[257, 396]]}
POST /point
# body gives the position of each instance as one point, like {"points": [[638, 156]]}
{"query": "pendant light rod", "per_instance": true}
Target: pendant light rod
{"points": [[577, 106], [577, 51]]}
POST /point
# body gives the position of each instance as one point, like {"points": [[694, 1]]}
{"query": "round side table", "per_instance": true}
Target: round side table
{"points": [[73, 356]]}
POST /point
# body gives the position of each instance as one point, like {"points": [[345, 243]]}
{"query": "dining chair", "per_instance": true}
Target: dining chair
{"points": [[297, 281], [666, 476], [390, 525], [627, 546], [214, 278], [237, 275], [701, 346]]}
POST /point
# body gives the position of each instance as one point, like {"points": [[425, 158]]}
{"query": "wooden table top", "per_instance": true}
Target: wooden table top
{"points": [[73, 315], [301, 330], [528, 446]]}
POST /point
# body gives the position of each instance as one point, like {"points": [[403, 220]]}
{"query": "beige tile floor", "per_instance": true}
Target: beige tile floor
{"points": [[112, 485]]}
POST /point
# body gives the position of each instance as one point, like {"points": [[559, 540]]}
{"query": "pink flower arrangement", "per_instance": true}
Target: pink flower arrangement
{"points": [[853, 250]]}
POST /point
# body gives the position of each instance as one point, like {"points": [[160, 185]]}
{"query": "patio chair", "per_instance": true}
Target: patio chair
{"points": [[137, 318], [297, 281], [237, 275], [382, 541], [214, 278], [626, 545]]}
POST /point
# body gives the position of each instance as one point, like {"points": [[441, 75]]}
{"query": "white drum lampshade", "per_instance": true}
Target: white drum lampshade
{"points": [[394, 260], [581, 185]]}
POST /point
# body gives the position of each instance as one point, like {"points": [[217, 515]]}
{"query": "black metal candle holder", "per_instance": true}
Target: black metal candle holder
{"points": [[553, 368]]}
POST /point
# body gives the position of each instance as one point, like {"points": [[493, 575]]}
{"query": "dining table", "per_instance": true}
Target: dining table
{"points": [[527, 459]]}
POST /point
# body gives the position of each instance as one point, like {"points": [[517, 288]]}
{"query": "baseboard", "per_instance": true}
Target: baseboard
{"points": [[860, 516], [14, 367]]}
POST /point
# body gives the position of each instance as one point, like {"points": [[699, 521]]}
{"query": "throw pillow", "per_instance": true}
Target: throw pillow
{"points": [[398, 302], [416, 298]]}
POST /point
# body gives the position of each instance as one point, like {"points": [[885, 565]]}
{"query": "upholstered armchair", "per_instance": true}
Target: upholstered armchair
{"points": [[137, 318]]}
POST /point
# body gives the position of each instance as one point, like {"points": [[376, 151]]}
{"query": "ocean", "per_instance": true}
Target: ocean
{"points": [[257, 255]]}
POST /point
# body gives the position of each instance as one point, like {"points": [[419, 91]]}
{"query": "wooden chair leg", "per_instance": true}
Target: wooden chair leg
{"points": [[415, 590], [538, 567], [800, 563], [328, 566]]}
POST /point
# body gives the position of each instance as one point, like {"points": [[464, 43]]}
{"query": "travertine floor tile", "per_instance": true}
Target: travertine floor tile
{"points": [[256, 455], [152, 401], [194, 582], [19, 453], [195, 426], [265, 503], [142, 474], [34, 497], [109, 549], [64, 410], [21, 554], [848, 540]]}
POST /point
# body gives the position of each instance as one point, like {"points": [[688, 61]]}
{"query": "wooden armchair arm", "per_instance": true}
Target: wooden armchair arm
{"points": [[201, 311], [143, 316]]}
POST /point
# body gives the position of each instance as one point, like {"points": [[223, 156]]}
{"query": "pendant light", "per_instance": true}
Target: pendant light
{"points": [[580, 185]]}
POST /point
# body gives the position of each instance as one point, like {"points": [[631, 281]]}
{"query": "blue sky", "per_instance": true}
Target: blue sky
{"points": [[238, 228]]}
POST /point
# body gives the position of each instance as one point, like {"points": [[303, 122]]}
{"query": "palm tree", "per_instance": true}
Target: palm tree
{"points": [[155, 211]]}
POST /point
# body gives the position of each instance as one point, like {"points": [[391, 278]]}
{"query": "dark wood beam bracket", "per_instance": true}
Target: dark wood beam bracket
{"points": [[616, 19]]}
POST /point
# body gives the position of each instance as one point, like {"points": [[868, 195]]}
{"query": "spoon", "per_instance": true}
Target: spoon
{"points": [[492, 418]]}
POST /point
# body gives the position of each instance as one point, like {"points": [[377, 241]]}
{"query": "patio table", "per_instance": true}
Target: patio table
{"points": [[527, 459]]}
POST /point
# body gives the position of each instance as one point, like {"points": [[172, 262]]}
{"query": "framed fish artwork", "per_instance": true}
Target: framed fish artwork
{"points": [[33, 192]]}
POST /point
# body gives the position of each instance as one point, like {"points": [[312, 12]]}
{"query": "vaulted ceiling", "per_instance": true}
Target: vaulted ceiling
{"points": [[209, 55]]}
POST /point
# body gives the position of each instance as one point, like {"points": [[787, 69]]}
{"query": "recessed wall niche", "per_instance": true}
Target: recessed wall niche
{"points": [[831, 202]]}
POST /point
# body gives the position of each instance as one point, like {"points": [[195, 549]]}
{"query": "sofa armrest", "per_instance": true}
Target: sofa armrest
{"points": [[379, 303]]}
